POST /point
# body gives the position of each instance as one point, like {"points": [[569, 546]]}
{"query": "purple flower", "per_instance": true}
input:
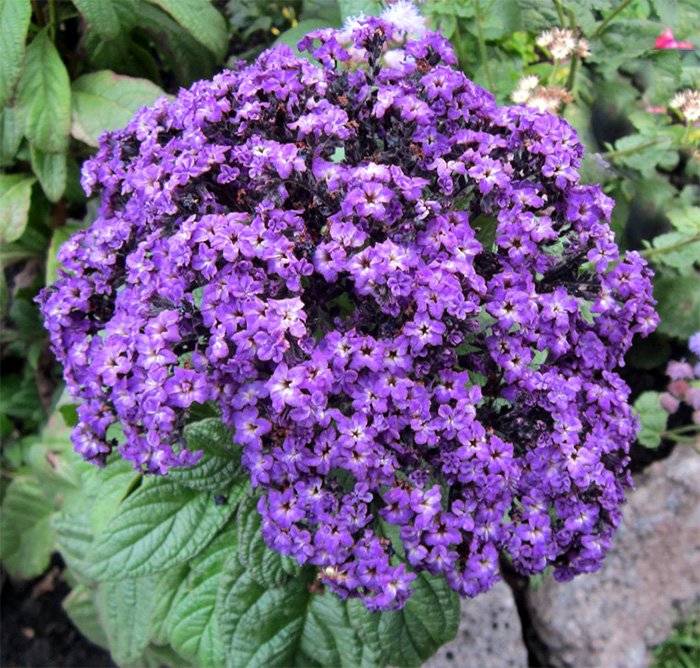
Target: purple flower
{"points": [[306, 247]]}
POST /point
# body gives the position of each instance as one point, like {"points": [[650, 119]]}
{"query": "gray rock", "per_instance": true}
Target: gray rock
{"points": [[649, 581], [489, 635]]}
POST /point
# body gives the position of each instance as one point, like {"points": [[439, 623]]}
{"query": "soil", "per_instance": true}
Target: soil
{"points": [[35, 632]]}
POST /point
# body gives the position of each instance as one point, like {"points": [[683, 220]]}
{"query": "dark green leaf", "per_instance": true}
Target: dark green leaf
{"points": [[428, 620], [51, 170], [192, 626], [43, 96], [260, 627], [168, 586], [328, 637], [486, 228], [161, 525], [107, 101], [101, 16], [201, 20], [219, 465], [14, 22]]}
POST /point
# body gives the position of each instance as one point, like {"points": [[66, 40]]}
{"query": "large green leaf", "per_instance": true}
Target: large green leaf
{"points": [[260, 627], [26, 539], [15, 196], [329, 638], [201, 20], [51, 170], [678, 304], [191, 625], [124, 609], [14, 22], [101, 16], [219, 465], [107, 101], [10, 136], [428, 620], [168, 584], [267, 567], [292, 626], [73, 539], [178, 51], [81, 608], [107, 488], [43, 96], [161, 525]]}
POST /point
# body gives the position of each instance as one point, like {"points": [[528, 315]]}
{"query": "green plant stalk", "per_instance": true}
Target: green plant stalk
{"points": [[651, 252], [613, 155], [52, 20], [560, 12], [688, 429], [678, 439], [610, 17], [482, 42]]}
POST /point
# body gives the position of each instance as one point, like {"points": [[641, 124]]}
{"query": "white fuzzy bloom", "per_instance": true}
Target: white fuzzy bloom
{"points": [[583, 48], [350, 24], [688, 105], [560, 42], [525, 87], [405, 16]]}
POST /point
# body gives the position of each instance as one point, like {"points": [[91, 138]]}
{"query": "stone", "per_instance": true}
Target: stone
{"points": [[489, 635], [649, 581]]}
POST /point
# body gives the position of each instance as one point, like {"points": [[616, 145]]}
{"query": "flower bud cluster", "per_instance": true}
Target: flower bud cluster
{"points": [[684, 383], [397, 293]]}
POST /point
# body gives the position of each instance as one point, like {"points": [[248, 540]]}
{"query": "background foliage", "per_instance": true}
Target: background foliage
{"points": [[193, 583]]}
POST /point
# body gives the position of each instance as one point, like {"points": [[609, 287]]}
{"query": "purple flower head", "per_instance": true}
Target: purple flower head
{"points": [[396, 292]]}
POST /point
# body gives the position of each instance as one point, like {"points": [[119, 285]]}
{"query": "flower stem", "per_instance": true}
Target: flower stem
{"points": [[560, 12], [651, 252], [52, 20], [610, 17], [482, 43], [613, 155]]}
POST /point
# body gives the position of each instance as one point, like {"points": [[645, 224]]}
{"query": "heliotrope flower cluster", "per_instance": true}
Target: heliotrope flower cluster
{"points": [[395, 291]]}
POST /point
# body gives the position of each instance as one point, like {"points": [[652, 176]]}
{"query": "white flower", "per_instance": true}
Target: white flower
{"points": [[405, 16], [687, 103], [560, 42], [524, 90]]}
